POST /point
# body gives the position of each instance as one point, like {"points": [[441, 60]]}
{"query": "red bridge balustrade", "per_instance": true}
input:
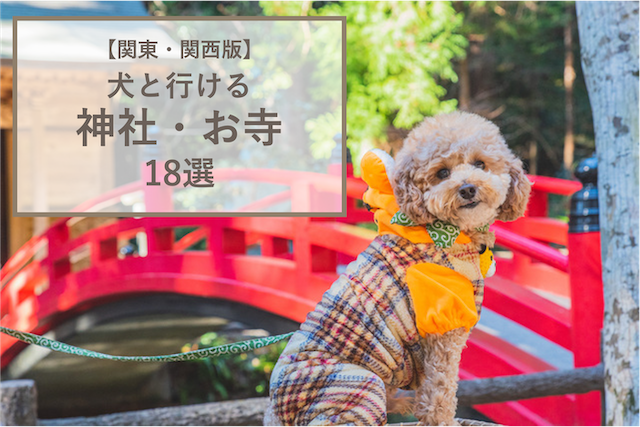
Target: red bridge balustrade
{"points": [[57, 276]]}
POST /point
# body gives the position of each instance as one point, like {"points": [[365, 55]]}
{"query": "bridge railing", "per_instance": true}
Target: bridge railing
{"points": [[55, 274], [305, 191], [534, 265], [546, 259]]}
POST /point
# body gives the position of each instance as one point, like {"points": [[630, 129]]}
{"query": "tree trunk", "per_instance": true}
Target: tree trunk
{"points": [[569, 77], [533, 157], [609, 41], [465, 84]]}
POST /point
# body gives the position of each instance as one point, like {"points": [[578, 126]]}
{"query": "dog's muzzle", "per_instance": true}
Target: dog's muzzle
{"points": [[468, 192]]}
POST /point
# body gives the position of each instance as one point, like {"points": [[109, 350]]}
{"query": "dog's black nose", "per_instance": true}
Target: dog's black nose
{"points": [[467, 191]]}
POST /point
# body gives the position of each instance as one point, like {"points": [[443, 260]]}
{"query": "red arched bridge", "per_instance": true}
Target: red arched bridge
{"points": [[65, 272]]}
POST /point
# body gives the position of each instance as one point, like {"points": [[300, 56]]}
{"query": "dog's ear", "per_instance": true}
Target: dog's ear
{"points": [[409, 197], [518, 194]]}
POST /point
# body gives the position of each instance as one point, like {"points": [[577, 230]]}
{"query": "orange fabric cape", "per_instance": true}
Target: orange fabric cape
{"points": [[443, 299]]}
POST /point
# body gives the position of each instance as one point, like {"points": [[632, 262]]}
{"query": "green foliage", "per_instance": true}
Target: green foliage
{"points": [[517, 67], [398, 55], [559, 207], [180, 232], [321, 133], [236, 376], [368, 225], [401, 62], [204, 8]]}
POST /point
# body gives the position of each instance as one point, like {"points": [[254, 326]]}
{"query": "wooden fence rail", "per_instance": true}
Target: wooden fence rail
{"points": [[19, 407]]}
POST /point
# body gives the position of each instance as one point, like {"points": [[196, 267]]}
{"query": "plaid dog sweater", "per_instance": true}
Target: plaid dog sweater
{"points": [[361, 336]]}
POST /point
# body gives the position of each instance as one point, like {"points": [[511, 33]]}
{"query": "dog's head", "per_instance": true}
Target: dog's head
{"points": [[457, 168]]}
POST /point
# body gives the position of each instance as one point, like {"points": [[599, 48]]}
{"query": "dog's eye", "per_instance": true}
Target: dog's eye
{"points": [[479, 164], [443, 173]]}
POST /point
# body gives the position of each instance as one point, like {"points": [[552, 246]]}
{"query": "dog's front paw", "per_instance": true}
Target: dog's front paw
{"points": [[435, 412]]}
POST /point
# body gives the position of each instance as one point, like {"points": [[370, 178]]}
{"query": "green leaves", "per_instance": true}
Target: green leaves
{"points": [[321, 133], [516, 68], [232, 376], [398, 53]]}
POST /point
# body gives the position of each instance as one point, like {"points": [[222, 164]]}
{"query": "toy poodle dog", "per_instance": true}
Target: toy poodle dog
{"points": [[400, 315]]}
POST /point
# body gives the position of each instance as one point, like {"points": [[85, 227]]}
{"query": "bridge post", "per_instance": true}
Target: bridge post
{"points": [[585, 275], [18, 403], [57, 262]]}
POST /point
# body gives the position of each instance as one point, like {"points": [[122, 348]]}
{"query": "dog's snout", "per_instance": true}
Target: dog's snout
{"points": [[467, 191]]}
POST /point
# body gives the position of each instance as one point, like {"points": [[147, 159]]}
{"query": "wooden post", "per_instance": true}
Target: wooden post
{"points": [[609, 45], [18, 403]]}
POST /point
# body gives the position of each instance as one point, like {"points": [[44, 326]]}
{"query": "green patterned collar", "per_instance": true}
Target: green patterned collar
{"points": [[442, 233]]}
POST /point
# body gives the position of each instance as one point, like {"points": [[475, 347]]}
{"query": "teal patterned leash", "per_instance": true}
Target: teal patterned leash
{"points": [[233, 348]]}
